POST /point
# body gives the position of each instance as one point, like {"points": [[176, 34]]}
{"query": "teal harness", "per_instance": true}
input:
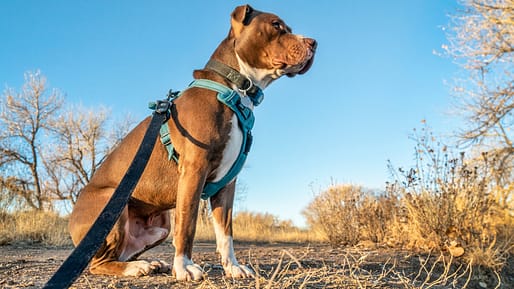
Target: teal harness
{"points": [[245, 118]]}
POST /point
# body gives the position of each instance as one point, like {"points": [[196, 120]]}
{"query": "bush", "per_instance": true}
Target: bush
{"points": [[451, 204], [456, 204], [348, 214]]}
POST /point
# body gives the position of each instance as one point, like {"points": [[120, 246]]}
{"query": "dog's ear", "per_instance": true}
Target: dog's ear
{"points": [[240, 18]]}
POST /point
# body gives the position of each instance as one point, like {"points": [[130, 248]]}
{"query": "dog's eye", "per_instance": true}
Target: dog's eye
{"points": [[277, 25]]}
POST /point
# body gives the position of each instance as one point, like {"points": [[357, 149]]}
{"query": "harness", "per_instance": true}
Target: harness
{"points": [[245, 117]]}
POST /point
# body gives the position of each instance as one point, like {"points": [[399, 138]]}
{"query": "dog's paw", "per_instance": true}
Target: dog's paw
{"points": [[185, 270], [188, 273], [239, 271], [137, 269], [159, 266]]}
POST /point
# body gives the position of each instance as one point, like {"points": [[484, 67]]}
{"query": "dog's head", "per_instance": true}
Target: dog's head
{"points": [[266, 48]]}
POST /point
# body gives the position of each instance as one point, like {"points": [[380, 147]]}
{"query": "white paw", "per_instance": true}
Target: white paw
{"points": [[137, 269], [189, 273], [239, 271], [185, 270]]}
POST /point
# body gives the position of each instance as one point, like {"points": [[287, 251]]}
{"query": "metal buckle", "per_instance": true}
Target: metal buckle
{"points": [[162, 106]]}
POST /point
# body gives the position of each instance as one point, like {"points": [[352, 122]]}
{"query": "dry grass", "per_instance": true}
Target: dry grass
{"points": [[276, 266], [34, 227], [300, 266], [355, 270], [260, 227], [50, 229]]}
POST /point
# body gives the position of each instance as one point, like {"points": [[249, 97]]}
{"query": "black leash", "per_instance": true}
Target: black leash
{"points": [[78, 260]]}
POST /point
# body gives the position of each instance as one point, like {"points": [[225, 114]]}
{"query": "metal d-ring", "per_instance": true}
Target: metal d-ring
{"points": [[244, 91]]}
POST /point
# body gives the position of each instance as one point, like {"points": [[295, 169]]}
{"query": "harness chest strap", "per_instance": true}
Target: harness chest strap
{"points": [[246, 121]]}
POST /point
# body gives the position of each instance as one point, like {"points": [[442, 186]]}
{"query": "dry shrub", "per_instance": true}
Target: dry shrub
{"points": [[348, 214], [33, 227], [463, 207], [454, 203], [376, 214]]}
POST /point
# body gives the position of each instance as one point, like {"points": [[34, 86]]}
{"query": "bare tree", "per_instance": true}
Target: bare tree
{"points": [[12, 190], [83, 139], [481, 39], [48, 154], [79, 134], [24, 118]]}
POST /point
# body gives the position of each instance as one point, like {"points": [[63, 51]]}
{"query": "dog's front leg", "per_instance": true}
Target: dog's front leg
{"points": [[221, 205], [190, 186]]}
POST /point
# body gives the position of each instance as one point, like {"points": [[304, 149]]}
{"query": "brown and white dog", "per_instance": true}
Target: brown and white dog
{"points": [[205, 133]]}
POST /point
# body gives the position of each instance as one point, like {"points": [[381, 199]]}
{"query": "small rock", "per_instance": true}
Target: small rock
{"points": [[456, 251]]}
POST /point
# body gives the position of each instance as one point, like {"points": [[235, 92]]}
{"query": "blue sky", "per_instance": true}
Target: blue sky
{"points": [[375, 77]]}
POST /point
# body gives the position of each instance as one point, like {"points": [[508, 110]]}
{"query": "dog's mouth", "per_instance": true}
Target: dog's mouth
{"points": [[303, 67], [301, 63]]}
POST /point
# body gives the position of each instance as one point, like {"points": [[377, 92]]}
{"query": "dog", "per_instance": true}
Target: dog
{"points": [[259, 49]]}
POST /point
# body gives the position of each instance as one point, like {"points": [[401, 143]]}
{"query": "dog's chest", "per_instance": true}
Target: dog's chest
{"points": [[231, 151]]}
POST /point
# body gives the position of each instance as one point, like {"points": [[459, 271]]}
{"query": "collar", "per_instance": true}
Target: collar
{"points": [[242, 82]]}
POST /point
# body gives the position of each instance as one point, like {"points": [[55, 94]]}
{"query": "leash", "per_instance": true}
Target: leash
{"points": [[78, 260]]}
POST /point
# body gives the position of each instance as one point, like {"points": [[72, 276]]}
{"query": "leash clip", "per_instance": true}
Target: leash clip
{"points": [[162, 107]]}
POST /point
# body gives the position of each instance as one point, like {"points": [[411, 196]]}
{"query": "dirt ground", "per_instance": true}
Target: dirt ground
{"points": [[277, 266]]}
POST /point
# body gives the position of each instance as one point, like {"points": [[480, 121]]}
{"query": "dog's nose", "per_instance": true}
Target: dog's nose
{"points": [[312, 43]]}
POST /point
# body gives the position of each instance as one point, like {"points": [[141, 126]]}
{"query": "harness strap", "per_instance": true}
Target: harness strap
{"points": [[164, 131], [246, 121], [231, 99], [166, 141]]}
